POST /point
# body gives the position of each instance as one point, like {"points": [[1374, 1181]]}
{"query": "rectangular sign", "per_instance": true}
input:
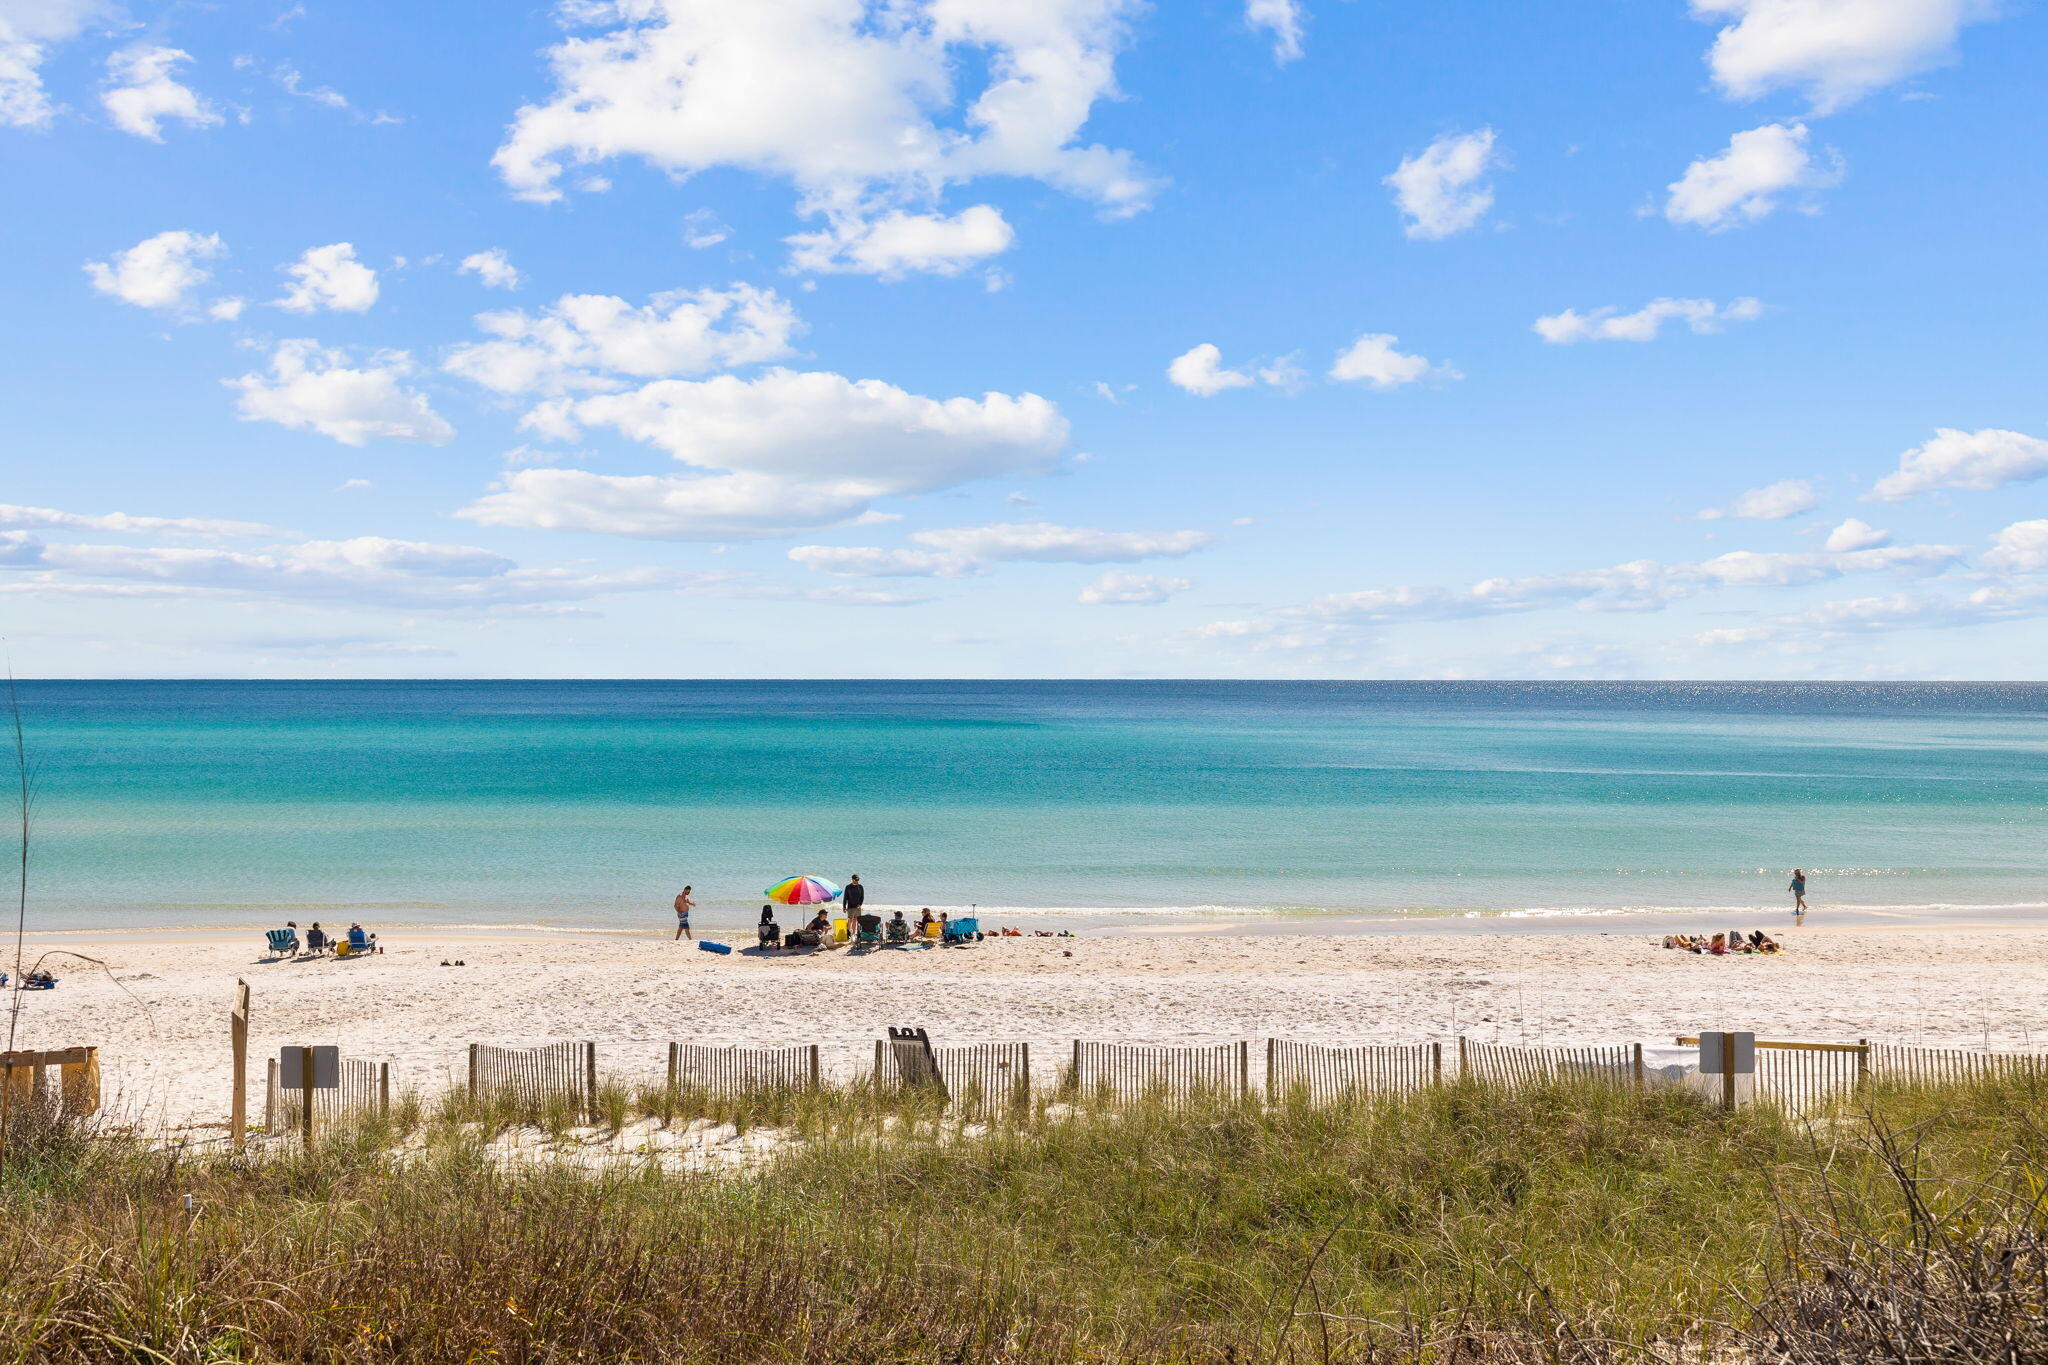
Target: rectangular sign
{"points": [[326, 1068], [1738, 1056]]}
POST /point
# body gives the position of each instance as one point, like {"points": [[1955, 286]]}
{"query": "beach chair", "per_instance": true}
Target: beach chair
{"points": [[282, 942], [357, 944], [961, 931], [897, 931], [867, 938]]}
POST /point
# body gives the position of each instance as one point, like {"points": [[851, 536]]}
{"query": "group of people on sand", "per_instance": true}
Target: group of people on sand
{"points": [[32, 980], [318, 940], [867, 926], [1720, 945]]}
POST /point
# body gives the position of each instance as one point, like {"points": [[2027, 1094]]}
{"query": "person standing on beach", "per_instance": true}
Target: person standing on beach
{"points": [[1798, 890], [683, 907], [853, 898]]}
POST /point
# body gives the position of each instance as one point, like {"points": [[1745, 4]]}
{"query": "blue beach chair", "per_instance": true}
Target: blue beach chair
{"points": [[283, 942]]}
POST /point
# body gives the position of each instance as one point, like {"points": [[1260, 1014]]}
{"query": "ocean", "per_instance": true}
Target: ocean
{"points": [[586, 805]]}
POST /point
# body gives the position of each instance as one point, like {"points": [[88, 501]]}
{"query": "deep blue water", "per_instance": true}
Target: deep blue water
{"points": [[589, 803]]}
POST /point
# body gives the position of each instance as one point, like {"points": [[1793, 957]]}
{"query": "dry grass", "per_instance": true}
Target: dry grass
{"points": [[1569, 1222]]}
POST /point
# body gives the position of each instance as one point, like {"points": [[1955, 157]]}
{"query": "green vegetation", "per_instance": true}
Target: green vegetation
{"points": [[1566, 1222]]}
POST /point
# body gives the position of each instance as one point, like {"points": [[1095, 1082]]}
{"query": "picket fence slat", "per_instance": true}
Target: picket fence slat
{"points": [[1125, 1071], [739, 1070], [365, 1089], [978, 1077], [559, 1071], [1326, 1072]]}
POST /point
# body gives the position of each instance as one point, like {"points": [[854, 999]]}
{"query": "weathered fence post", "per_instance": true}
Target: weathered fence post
{"points": [[475, 1068], [1862, 1062], [306, 1093], [1244, 1068], [238, 1039], [816, 1072], [1272, 1069], [590, 1077], [675, 1064], [1463, 1061], [1637, 1066], [1436, 1063]]}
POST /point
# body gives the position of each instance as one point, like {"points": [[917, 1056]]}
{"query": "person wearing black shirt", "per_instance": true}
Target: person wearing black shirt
{"points": [[854, 897]]}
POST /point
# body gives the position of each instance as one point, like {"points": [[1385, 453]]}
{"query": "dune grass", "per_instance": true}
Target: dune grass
{"points": [[1565, 1222]]}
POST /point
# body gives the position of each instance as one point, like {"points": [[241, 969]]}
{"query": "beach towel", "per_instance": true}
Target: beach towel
{"points": [[708, 946]]}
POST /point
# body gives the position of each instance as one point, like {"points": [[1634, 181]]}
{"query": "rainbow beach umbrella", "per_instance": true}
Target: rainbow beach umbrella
{"points": [[802, 891]]}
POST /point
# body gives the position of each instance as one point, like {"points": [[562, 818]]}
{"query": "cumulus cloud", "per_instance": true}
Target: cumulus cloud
{"points": [[787, 449], [1773, 502], [861, 561], [586, 341], [158, 272], [315, 388], [1855, 534], [896, 244], [1283, 19], [1372, 360], [1611, 324], [1201, 371], [858, 103], [1745, 183], [1980, 460], [140, 92], [493, 267], [27, 33], [2020, 548], [329, 277], [701, 229], [1119, 588], [17, 518], [1836, 51], [1442, 189]]}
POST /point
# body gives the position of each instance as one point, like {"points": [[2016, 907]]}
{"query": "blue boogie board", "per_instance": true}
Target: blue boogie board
{"points": [[708, 946]]}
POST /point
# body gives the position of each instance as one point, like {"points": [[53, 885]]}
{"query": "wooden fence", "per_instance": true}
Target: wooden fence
{"points": [[1124, 1071], [1800, 1076], [560, 1071], [738, 1070], [1502, 1064], [365, 1089], [25, 1080], [978, 1077], [1327, 1072], [1892, 1062]]}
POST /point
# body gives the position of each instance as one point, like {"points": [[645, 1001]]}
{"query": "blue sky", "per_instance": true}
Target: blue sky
{"points": [[1304, 338]]}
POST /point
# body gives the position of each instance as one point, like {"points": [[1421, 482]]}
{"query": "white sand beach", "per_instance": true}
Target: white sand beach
{"points": [[158, 1010]]}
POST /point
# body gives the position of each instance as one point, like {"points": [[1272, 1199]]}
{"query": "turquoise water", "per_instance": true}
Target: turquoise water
{"points": [[589, 803]]}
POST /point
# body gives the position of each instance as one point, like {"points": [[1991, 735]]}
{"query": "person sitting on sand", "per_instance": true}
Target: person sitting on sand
{"points": [[925, 920], [316, 938], [897, 930], [768, 931]]}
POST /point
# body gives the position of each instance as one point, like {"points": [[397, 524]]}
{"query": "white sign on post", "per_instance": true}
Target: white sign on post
{"points": [[1738, 1055], [291, 1074]]}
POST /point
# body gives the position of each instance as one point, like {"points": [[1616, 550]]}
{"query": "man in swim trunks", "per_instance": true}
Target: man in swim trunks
{"points": [[683, 907]]}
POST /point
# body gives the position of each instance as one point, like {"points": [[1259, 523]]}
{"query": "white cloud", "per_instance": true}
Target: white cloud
{"points": [[1120, 588], [1611, 324], [2020, 548], [493, 267], [859, 561], [1283, 19], [1855, 534], [313, 388], [1837, 51], [28, 29], [859, 103], [1442, 189], [1373, 360], [17, 518], [226, 310], [157, 272], [140, 93], [329, 277], [701, 229], [1744, 183], [1201, 371], [1046, 543], [1773, 502], [790, 450], [897, 243], [1980, 460], [583, 341]]}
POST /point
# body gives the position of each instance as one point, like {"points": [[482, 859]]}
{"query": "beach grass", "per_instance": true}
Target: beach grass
{"points": [[1571, 1221]]}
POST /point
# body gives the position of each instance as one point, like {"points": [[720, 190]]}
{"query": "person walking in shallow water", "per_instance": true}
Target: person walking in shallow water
{"points": [[683, 907], [1798, 890]]}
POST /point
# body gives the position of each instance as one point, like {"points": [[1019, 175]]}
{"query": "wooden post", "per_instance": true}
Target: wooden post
{"points": [[475, 1068], [1862, 1062], [1075, 1074], [384, 1089], [675, 1064], [816, 1073], [238, 1038], [306, 1094], [1272, 1069], [79, 1084], [1638, 1066], [1244, 1067], [1463, 1063], [590, 1076], [1436, 1063], [1727, 1070]]}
